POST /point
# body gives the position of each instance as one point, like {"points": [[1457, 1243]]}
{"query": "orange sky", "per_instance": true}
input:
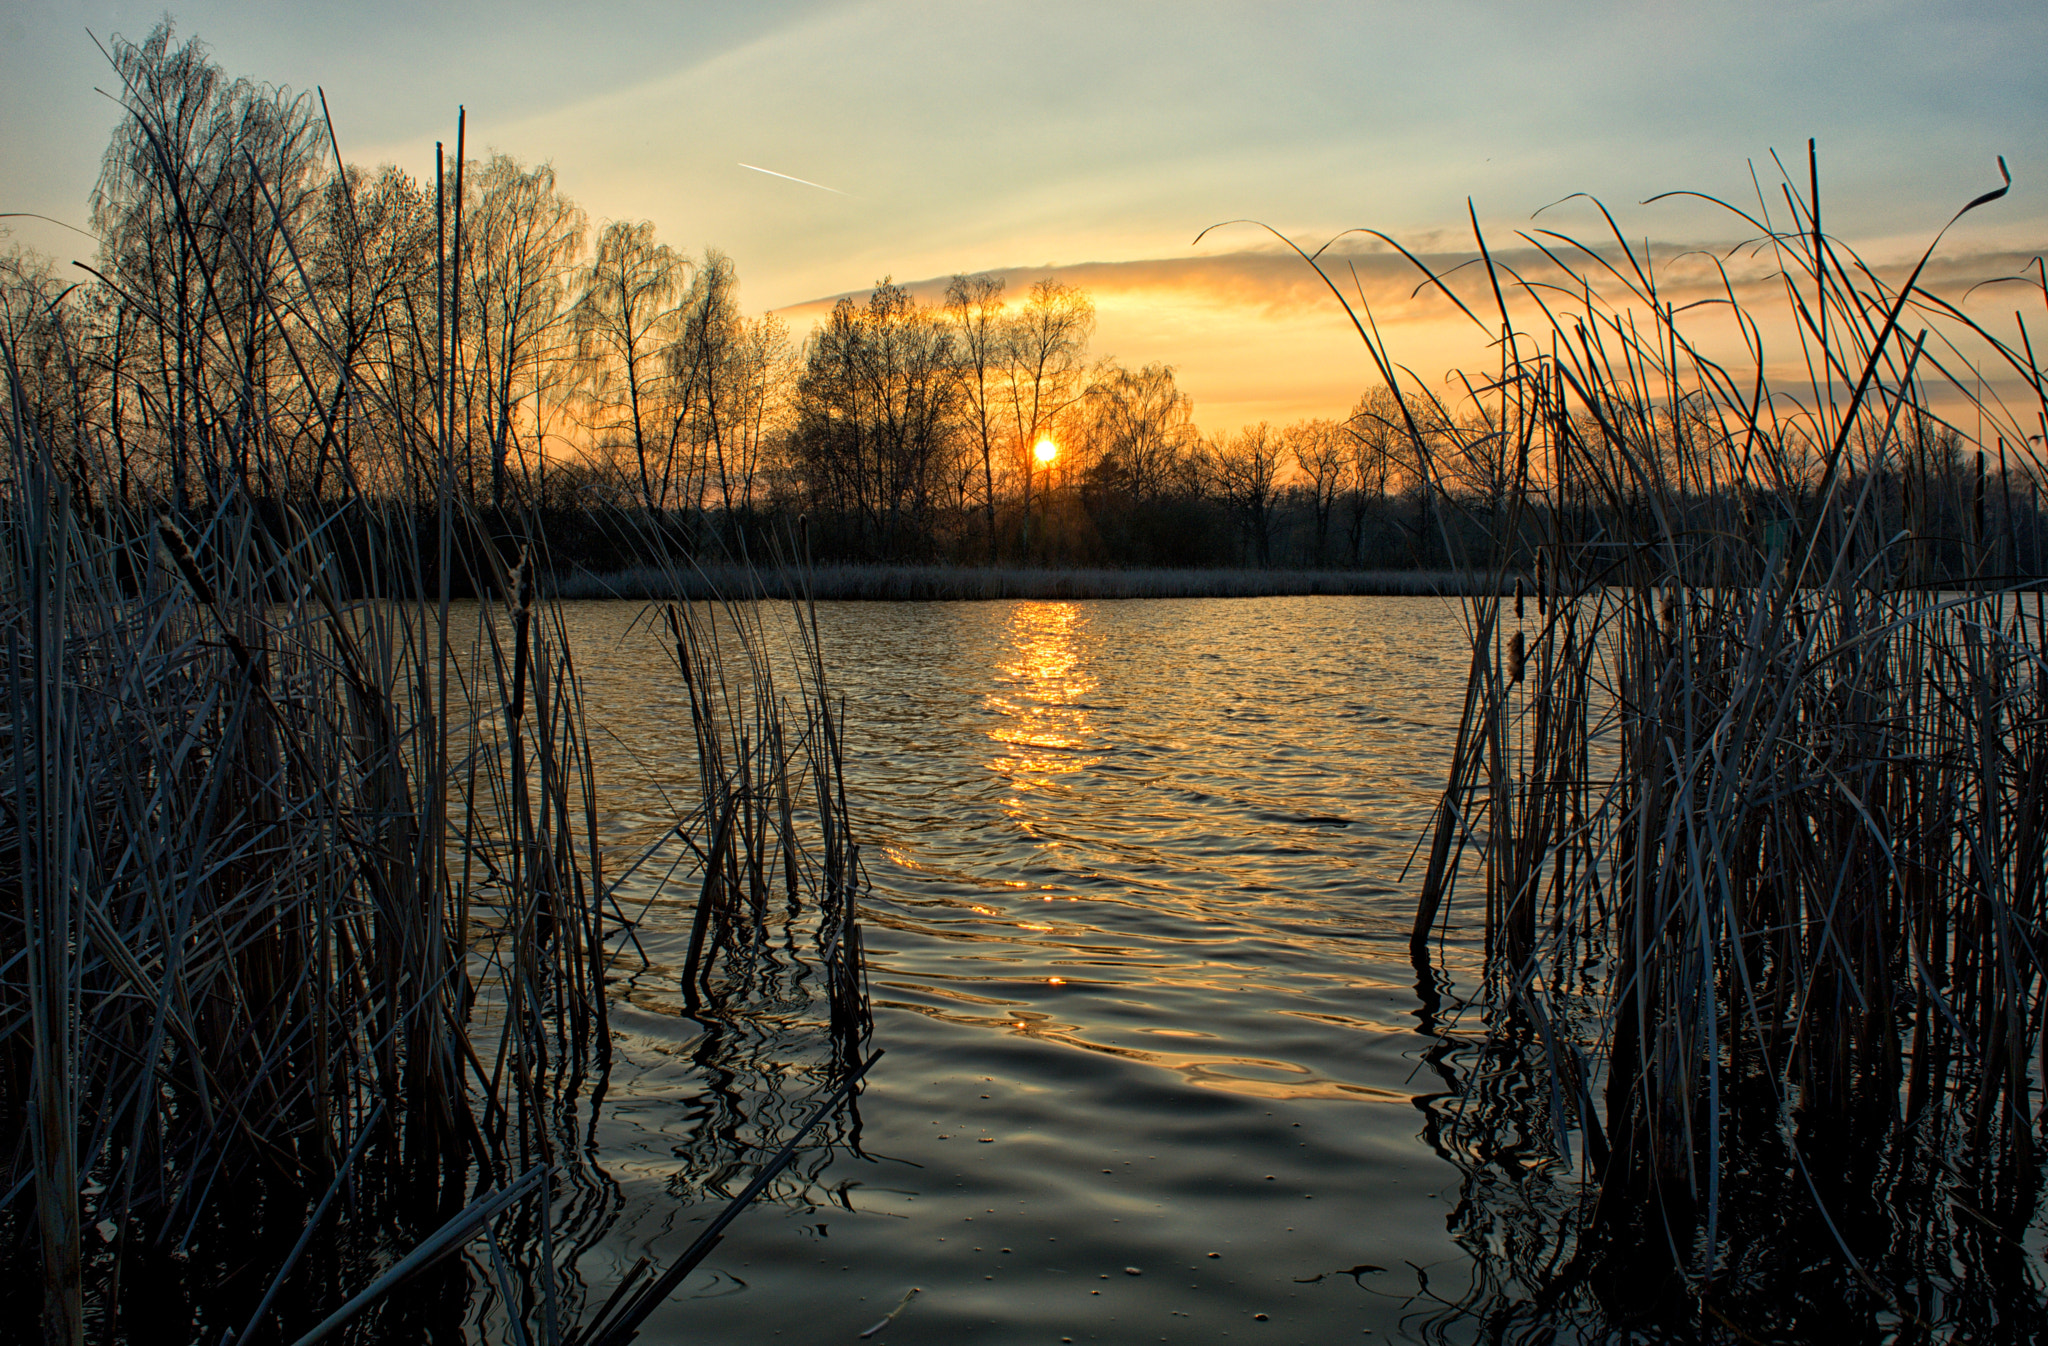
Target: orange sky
{"points": [[1257, 335]]}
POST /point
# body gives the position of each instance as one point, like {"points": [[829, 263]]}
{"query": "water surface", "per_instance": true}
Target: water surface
{"points": [[1137, 946]]}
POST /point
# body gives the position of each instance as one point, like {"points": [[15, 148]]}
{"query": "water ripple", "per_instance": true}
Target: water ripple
{"points": [[1137, 946]]}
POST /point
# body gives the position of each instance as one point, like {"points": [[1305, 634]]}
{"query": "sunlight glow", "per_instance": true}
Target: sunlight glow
{"points": [[1046, 451]]}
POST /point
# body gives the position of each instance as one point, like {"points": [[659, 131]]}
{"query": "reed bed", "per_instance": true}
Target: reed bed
{"points": [[934, 583], [299, 899], [1744, 824], [306, 932]]}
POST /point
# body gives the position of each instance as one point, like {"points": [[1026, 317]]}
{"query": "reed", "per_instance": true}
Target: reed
{"points": [[1747, 821], [305, 927], [269, 879]]}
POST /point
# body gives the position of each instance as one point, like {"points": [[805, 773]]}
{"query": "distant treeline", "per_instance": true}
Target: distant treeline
{"points": [[263, 320]]}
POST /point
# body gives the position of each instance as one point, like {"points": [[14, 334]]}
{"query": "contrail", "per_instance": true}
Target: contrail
{"points": [[785, 177]]}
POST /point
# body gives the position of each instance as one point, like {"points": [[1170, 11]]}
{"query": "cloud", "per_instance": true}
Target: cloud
{"points": [[1258, 335]]}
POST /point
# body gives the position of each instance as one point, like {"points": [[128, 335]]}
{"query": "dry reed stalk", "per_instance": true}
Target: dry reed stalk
{"points": [[1758, 817], [300, 889]]}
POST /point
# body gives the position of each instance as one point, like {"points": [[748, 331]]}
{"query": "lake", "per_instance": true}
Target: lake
{"points": [[1137, 946]]}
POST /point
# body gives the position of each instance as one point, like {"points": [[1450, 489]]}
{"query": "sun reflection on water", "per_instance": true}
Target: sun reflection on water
{"points": [[1040, 696]]}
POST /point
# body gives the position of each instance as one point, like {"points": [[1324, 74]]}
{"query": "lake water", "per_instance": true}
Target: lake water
{"points": [[1137, 947]]}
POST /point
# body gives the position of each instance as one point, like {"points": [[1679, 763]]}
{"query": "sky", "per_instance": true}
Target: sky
{"points": [[1096, 141]]}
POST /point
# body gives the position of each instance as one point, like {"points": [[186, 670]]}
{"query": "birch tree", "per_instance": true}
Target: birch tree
{"points": [[622, 323]]}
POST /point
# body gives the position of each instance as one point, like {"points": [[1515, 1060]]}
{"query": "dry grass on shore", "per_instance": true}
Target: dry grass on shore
{"points": [[936, 583]]}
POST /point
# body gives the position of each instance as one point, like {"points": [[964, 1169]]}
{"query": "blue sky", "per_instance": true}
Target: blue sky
{"points": [[969, 137]]}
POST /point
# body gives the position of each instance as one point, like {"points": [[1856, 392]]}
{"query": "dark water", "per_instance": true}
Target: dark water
{"points": [[1138, 955]]}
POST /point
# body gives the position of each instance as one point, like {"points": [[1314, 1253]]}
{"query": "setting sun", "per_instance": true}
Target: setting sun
{"points": [[1046, 451]]}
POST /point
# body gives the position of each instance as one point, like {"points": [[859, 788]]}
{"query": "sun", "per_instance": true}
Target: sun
{"points": [[1046, 450]]}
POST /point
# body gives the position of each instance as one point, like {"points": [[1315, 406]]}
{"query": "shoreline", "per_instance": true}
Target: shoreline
{"points": [[938, 583]]}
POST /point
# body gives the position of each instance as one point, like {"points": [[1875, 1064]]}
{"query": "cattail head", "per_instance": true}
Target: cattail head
{"points": [[522, 585], [1977, 509], [181, 556], [1518, 598], [1518, 657]]}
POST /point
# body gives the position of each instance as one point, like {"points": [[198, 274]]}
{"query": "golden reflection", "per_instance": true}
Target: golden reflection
{"points": [[1039, 697]]}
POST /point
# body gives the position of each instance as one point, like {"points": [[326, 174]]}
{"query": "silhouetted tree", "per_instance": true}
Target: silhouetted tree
{"points": [[1319, 450], [982, 342], [203, 184], [623, 321], [521, 236], [875, 431], [1246, 469], [1047, 347]]}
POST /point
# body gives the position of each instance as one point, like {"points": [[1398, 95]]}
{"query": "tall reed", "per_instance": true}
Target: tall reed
{"points": [[1750, 822], [305, 927], [263, 877]]}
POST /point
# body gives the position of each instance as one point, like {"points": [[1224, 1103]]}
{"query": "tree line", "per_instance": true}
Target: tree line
{"points": [[263, 319]]}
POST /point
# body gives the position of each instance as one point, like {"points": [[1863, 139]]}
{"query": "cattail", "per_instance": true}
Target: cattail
{"points": [[1518, 657], [181, 554], [1542, 585], [1518, 598], [1978, 504], [522, 586]]}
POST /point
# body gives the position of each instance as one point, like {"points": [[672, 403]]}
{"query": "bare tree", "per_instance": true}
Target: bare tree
{"points": [[1373, 432], [1320, 449], [875, 436], [622, 322], [369, 255], [202, 188], [521, 236], [757, 373], [981, 334], [728, 377], [1246, 469], [707, 335], [1142, 430], [45, 364], [1048, 345]]}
